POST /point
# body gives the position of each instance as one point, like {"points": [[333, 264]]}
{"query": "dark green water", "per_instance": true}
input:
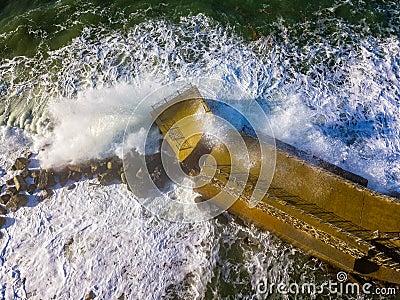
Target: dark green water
{"points": [[32, 27]]}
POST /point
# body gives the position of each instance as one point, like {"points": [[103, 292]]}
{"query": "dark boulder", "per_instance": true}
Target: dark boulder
{"points": [[25, 173], [10, 182], [16, 202], [35, 173], [31, 189], [63, 177], [20, 183], [84, 170], [45, 180], [107, 177], [5, 198], [21, 163], [3, 211], [74, 176], [11, 190], [74, 168], [88, 175], [2, 221], [71, 187], [97, 167]]}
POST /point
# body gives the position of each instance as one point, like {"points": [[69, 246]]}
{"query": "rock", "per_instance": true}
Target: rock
{"points": [[20, 183], [11, 190], [90, 296], [3, 211], [63, 177], [74, 168], [75, 176], [122, 297], [2, 221], [5, 198], [31, 189], [44, 194], [10, 182], [21, 163], [123, 178], [28, 154], [88, 175], [69, 241], [16, 202], [98, 167], [35, 173], [45, 180], [25, 173], [84, 170], [71, 187], [114, 163], [107, 177]]}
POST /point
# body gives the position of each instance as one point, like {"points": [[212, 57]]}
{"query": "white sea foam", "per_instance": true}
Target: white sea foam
{"points": [[91, 125], [347, 114]]}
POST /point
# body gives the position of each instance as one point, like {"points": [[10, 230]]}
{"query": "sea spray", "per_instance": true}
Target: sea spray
{"points": [[92, 125]]}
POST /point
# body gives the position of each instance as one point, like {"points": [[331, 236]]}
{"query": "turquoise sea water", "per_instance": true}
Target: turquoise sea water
{"points": [[327, 71]]}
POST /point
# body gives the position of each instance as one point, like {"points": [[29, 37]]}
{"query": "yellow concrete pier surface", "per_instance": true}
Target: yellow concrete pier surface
{"points": [[314, 207]]}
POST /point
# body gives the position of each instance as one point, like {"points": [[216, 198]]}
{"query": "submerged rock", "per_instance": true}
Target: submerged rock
{"points": [[16, 202], [21, 163]]}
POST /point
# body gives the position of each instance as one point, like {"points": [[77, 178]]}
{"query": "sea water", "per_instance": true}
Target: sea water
{"points": [[71, 73]]}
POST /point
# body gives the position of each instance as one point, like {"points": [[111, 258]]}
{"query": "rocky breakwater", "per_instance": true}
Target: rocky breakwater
{"points": [[29, 184]]}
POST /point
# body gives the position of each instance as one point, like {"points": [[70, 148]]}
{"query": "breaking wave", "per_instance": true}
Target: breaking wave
{"points": [[338, 100]]}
